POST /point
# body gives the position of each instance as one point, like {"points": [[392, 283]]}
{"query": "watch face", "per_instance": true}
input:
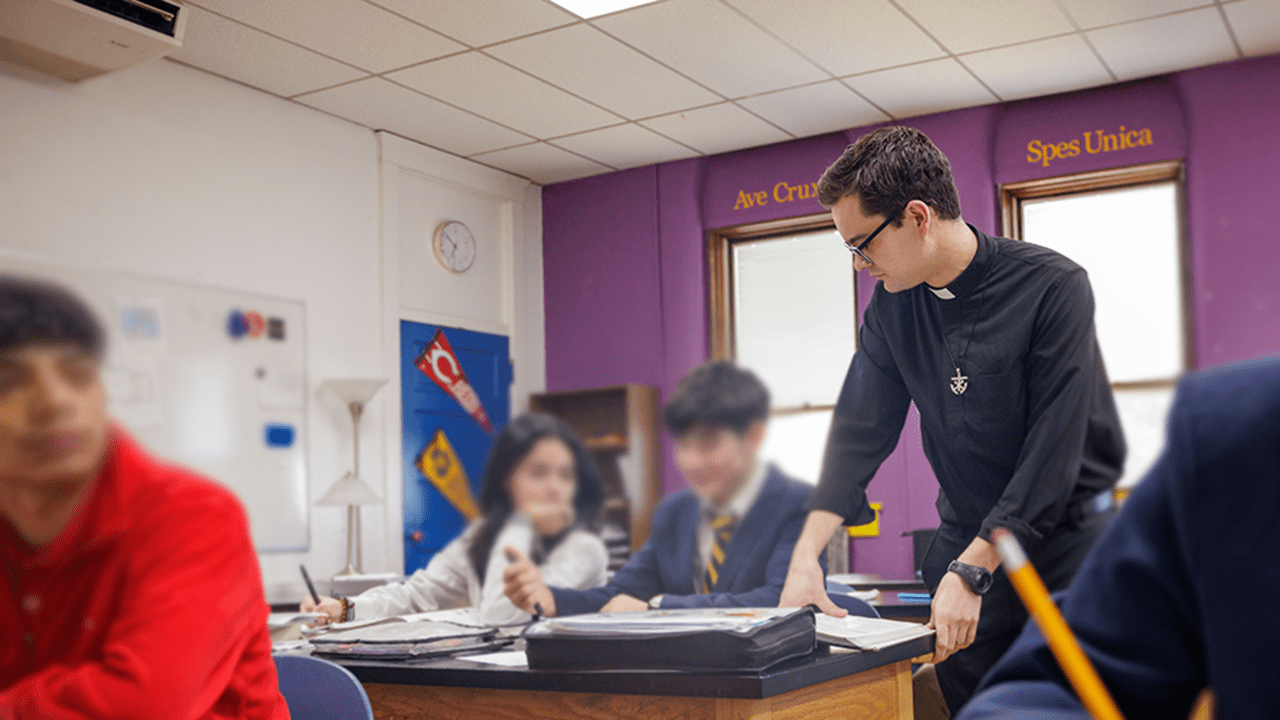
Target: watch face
{"points": [[455, 246]]}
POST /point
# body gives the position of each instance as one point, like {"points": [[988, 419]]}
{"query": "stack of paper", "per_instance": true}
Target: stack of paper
{"points": [[738, 620], [865, 633]]}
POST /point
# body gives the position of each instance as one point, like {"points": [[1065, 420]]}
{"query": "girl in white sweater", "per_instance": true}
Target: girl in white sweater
{"points": [[540, 494]]}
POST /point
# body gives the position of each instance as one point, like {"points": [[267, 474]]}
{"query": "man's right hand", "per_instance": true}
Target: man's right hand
{"points": [[805, 584]]}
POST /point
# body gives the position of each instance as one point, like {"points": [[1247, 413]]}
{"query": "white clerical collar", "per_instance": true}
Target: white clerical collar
{"points": [[942, 293]]}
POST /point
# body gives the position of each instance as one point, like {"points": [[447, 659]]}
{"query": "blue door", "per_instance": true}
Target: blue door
{"points": [[455, 395]]}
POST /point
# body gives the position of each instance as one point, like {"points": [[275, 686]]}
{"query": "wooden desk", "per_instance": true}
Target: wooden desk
{"points": [[825, 684]]}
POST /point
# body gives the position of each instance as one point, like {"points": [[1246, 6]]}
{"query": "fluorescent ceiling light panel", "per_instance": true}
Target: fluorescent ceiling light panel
{"points": [[588, 9]]}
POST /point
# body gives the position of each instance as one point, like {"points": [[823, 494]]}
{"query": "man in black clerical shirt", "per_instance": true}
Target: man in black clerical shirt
{"points": [[994, 341]]}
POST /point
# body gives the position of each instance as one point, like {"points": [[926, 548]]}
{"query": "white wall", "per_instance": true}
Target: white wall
{"points": [[171, 172], [501, 293]]}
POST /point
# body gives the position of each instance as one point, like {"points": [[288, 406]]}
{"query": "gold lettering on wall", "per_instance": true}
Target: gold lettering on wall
{"points": [[782, 192], [1093, 142]]}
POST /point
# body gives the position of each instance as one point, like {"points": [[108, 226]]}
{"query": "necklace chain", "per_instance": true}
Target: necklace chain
{"points": [[960, 382]]}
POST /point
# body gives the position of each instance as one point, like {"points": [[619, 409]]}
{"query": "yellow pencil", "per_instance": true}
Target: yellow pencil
{"points": [[1075, 665]]}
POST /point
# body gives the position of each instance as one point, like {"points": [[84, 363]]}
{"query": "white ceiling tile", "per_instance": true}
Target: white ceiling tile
{"points": [[1096, 13], [1036, 68], [542, 163], [1256, 24], [590, 64], [254, 58], [981, 24], [505, 95], [929, 87], [350, 30], [712, 44], [845, 36], [1164, 44], [382, 105], [625, 146], [716, 129], [481, 22], [814, 109]]}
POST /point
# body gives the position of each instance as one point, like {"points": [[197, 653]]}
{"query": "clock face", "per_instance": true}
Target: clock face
{"points": [[455, 246]]}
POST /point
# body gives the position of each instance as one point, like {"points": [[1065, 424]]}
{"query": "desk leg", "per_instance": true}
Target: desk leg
{"points": [[879, 694]]}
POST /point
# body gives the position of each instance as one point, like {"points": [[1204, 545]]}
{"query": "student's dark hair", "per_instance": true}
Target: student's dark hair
{"points": [[38, 311], [889, 168], [512, 444], [717, 393]]}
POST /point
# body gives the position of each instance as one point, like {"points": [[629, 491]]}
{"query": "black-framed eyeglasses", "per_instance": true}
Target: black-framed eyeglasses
{"points": [[857, 249]]}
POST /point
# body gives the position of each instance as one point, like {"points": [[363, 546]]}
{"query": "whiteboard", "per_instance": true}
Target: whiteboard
{"points": [[210, 378]]}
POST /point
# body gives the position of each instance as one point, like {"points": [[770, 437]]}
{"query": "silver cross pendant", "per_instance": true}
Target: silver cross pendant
{"points": [[959, 383]]}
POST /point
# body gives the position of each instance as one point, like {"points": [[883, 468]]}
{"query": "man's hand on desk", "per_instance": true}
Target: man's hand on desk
{"points": [[624, 603], [806, 584], [955, 617], [522, 584], [331, 607]]}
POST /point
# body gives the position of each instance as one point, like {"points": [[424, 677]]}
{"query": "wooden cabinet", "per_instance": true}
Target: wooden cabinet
{"points": [[620, 427]]}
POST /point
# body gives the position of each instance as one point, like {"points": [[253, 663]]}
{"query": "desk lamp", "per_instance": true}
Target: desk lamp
{"points": [[350, 490]]}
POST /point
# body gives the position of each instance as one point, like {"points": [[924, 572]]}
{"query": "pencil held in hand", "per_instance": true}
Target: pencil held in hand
{"points": [[1075, 664]]}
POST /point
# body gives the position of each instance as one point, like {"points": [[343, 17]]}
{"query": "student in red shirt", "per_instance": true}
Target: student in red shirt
{"points": [[130, 586]]}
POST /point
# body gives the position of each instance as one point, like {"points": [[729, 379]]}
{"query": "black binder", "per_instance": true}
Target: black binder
{"points": [[727, 639]]}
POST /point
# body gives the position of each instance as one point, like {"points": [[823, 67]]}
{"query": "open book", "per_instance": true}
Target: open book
{"points": [[865, 633]]}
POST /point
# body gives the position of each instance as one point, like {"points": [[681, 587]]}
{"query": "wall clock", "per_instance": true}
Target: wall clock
{"points": [[454, 246]]}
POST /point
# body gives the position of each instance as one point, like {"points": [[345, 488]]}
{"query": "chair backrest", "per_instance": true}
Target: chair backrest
{"points": [[855, 606], [316, 689]]}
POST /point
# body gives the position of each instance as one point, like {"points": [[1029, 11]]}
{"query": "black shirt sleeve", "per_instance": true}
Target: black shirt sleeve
{"points": [[865, 427]]}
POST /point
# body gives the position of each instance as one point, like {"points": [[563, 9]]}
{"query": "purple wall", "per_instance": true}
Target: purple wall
{"points": [[625, 266]]}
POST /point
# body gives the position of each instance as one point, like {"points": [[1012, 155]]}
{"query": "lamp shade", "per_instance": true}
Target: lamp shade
{"points": [[354, 390], [350, 490]]}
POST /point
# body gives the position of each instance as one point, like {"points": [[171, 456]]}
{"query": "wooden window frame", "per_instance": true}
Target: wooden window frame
{"points": [[1012, 195], [720, 241]]}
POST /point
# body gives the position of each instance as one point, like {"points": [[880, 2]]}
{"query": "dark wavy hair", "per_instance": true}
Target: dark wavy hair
{"points": [[34, 310], [718, 393], [510, 447], [889, 168]]}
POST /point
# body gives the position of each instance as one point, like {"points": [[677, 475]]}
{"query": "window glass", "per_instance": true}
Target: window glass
{"points": [[793, 315], [1127, 239], [795, 443]]}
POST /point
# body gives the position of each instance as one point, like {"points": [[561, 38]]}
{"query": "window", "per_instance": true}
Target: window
{"points": [[783, 304], [1124, 227]]}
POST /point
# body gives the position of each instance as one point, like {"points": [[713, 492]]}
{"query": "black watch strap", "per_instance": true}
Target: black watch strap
{"points": [[977, 578]]}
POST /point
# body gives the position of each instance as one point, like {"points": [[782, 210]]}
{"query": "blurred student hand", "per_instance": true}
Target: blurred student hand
{"points": [[331, 607], [549, 519], [624, 603], [523, 585]]}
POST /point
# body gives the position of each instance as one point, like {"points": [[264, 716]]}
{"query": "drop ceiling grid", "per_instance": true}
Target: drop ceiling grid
{"points": [[516, 81]]}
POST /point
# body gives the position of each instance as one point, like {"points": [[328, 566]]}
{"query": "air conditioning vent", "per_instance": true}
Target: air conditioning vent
{"points": [[78, 39], [155, 14]]}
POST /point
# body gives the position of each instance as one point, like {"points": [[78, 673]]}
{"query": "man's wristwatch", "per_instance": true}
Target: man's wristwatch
{"points": [[977, 578]]}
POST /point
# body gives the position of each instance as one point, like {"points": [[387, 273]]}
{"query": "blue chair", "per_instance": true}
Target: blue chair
{"points": [[838, 592], [316, 689]]}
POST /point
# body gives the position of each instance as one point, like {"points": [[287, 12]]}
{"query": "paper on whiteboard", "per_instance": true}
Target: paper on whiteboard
{"points": [[133, 395], [141, 329]]}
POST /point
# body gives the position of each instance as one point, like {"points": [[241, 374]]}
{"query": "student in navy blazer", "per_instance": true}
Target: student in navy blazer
{"points": [[717, 415]]}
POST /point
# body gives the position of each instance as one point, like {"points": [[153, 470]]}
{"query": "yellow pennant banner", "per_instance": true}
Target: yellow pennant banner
{"points": [[439, 462]]}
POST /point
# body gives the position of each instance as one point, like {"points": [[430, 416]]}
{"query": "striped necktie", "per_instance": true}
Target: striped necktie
{"points": [[721, 532]]}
